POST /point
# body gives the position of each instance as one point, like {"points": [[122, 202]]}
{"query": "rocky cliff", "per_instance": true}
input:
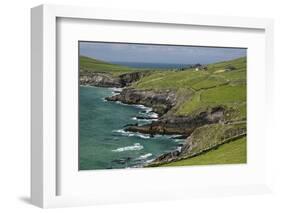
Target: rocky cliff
{"points": [[182, 125], [108, 80], [100, 79], [159, 101]]}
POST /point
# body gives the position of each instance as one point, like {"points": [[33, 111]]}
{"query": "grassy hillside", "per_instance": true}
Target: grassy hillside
{"points": [[89, 65], [222, 83], [230, 153]]}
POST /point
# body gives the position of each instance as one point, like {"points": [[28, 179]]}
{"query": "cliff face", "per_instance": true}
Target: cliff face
{"points": [[100, 79], [128, 78], [159, 101], [182, 125], [108, 80]]}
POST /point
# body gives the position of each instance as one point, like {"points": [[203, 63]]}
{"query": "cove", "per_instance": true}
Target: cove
{"points": [[103, 143]]}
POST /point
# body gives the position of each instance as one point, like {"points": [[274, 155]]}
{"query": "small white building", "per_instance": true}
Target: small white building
{"points": [[201, 68]]}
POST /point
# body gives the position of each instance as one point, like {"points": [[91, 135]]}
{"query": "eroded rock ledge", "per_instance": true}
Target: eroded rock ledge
{"points": [[109, 80], [159, 101], [181, 125], [168, 123]]}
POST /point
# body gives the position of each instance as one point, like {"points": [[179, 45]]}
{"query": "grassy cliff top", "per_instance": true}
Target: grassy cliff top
{"points": [[221, 84], [90, 65]]}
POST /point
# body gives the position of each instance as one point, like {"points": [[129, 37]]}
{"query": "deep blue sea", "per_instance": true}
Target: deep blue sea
{"points": [[103, 143], [153, 65]]}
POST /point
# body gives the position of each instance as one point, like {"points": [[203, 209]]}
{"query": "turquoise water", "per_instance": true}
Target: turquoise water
{"points": [[103, 144]]}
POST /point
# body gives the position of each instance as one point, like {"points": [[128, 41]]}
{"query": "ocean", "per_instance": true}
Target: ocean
{"points": [[153, 65], [103, 143]]}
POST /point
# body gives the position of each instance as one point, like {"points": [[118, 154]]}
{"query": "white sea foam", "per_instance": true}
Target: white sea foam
{"points": [[145, 112], [153, 115], [145, 120], [142, 157], [141, 106], [131, 134], [136, 146], [119, 102], [115, 89], [149, 161], [179, 140], [179, 148], [121, 131], [142, 135], [148, 110], [174, 136]]}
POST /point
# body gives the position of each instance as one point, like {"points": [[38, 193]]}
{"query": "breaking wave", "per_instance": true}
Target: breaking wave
{"points": [[135, 147], [143, 157], [131, 134]]}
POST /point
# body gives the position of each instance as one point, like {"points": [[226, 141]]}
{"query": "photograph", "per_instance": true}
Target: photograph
{"points": [[161, 105]]}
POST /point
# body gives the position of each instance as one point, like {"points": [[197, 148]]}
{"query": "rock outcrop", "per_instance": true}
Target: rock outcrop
{"points": [[108, 80], [159, 101], [182, 125], [100, 80], [128, 78]]}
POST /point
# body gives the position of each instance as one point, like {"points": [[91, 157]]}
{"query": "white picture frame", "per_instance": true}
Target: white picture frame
{"points": [[44, 155]]}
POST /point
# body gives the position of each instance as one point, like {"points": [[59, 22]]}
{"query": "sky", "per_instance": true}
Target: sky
{"points": [[144, 53]]}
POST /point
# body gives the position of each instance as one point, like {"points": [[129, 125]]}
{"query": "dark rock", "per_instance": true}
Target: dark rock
{"points": [[180, 137], [182, 125], [135, 124], [128, 78], [144, 117], [100, 79], [167, 156], [160, 101], [108, 80], [122, 160]]}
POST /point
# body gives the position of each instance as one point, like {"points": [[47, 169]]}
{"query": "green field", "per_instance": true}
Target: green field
{"points": [[89, 65], [234, 152]]}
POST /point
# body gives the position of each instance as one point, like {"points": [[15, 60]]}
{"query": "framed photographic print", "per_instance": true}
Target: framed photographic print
{"points": [[150, 105], [130, 106]]}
